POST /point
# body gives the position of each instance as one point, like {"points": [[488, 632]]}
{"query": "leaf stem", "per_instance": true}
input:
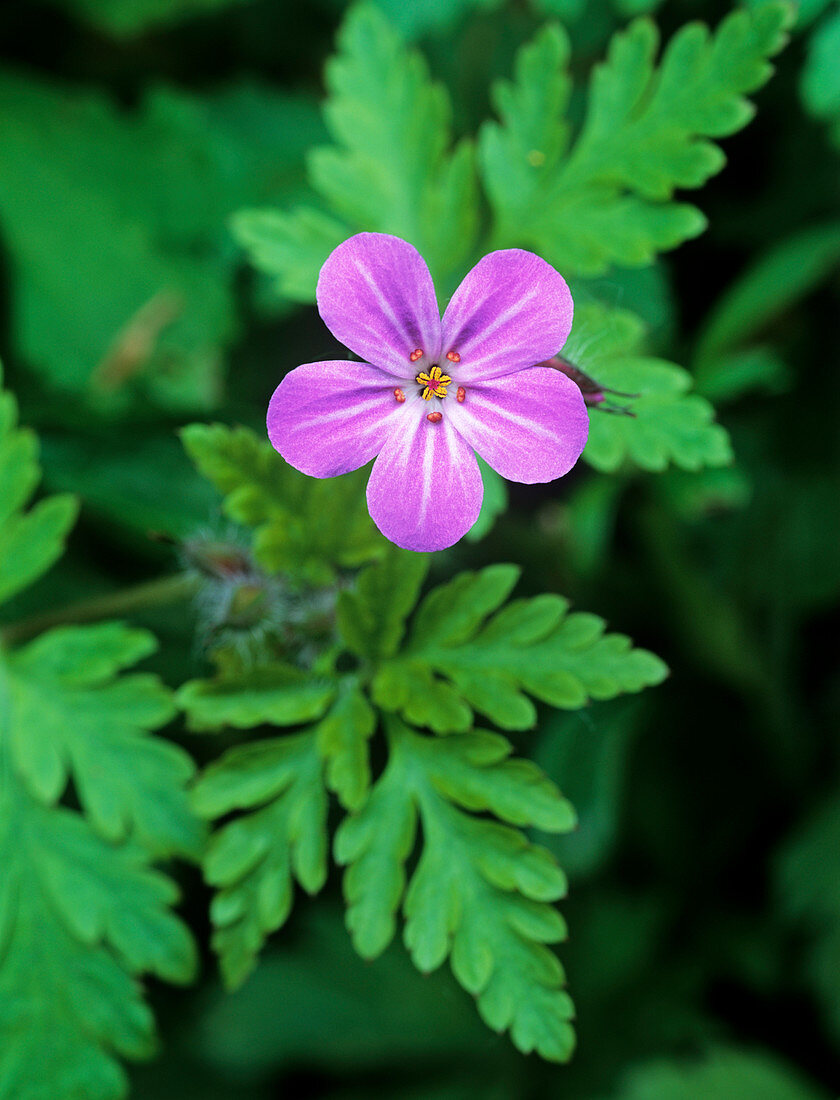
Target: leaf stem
{"points": [[125, 601]]}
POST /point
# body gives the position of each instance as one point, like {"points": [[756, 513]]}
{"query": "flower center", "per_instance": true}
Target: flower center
{"points": [[434, 383]]}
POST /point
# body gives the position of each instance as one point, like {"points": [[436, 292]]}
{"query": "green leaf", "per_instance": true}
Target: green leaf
{"points": [[82, 911], [147, 193], [305, 527], [457, 660], [244, 697], [94, 726], [391, 167], [608, 198], [371, 617], [281, 785], [79, 918], [290, 246], [725, 1074], [820, 77], [668, 424], [481, 893], [342, 737], [30, 542], [253, 859]]}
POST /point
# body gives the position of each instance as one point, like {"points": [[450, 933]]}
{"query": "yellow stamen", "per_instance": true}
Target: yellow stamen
{"points": [[434, 383]]}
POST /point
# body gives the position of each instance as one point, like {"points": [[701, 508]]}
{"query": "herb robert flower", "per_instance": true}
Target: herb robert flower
{"points": [[433, 391]]}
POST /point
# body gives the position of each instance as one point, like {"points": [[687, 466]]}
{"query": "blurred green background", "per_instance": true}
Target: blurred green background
{"points": [[704, 955]]}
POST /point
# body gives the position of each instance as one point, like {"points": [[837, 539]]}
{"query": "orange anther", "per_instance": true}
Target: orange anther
{"points": [[416, 354], [435, 418], [453, 357], [460, 395], [400, 396]]}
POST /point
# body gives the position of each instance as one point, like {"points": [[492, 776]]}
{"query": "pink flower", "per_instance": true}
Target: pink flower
{"points": [[433, 391]]}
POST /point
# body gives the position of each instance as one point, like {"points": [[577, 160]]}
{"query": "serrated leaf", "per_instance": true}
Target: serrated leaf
{"points": [[371, 616], [343, 736], [95, 726], [290, 246], [608, 198], [246, 697], [254, 859], [668, 423], [457, 660], [81, 908], [304, 526], [30, 542], [83, 917], [391, 168], [480, 893]]}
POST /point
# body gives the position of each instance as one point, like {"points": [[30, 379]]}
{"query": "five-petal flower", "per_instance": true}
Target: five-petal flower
{"points": [[431, 391]]}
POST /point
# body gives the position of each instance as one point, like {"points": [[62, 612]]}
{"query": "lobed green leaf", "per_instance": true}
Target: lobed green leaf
{"points": [[457, 660], [254, 859], [305, 527], [667, 425], [646, 132], [94, 726], [391, 167], [246, 697], [371, 616], [83, 913], [480, 894]]}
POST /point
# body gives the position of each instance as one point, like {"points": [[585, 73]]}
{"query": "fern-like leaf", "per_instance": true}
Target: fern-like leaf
{"points": [[391, 168], [83, 913], [668, 425], [456, 659], [304, 527], [481, 893], [608, 198]]}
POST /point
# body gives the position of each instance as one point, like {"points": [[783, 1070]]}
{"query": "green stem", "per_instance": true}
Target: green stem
{"points": [[125, 601]]}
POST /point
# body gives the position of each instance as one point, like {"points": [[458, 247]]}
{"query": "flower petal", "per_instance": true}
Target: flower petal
{"points": [[332, 417], [511, 311], [376, 296], [425, 488], [530, 426]]}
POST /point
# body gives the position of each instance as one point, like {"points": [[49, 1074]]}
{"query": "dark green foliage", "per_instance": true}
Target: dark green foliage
{"points": [[380, 737]]}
